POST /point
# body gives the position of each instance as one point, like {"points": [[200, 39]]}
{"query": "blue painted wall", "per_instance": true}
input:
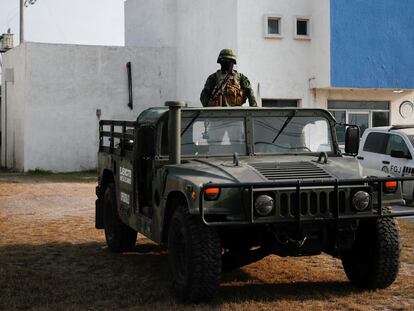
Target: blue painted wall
{"points": [[372, 43]]}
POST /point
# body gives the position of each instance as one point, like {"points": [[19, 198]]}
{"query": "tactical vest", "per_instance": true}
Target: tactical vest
{"points": [[228, 89]]}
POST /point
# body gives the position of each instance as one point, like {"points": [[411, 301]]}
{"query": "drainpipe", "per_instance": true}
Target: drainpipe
{"points": [[8, 77], [4, 143], [174, 128]]}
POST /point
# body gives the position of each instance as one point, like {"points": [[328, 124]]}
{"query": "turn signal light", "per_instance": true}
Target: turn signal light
{"points": [[390, 186], [211, 194]]}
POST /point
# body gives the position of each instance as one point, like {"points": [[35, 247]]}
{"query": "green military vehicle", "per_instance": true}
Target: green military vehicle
{"points": [[225, 187]]}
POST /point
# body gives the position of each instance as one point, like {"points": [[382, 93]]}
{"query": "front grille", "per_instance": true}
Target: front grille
{"points": [[290, 170], [312, 203]]}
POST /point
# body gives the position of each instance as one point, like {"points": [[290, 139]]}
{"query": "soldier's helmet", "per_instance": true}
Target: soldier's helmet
{"points": [[226, 54]]}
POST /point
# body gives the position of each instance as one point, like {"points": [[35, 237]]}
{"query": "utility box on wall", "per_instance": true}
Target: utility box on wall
{"points": [[6, 42]]}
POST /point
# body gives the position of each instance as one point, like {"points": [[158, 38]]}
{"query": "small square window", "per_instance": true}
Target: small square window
{"points": [[272, 26], [302, 27]]}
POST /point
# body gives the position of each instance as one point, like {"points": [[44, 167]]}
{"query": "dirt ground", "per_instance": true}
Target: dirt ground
{"points": [[52, 258]]}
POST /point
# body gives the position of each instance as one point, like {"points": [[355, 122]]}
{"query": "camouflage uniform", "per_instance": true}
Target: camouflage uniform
{"points": [[227, 89]]}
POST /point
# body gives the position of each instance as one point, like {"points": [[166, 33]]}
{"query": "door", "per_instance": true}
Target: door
{"points": [[373, 152]]}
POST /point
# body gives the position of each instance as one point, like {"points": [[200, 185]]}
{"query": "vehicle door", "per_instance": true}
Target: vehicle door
{"points": [[400, 158], [372, 152]]}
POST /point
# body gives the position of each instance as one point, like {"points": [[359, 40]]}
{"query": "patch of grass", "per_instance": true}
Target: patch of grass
{"points": [[38, 172], [39, 175]]}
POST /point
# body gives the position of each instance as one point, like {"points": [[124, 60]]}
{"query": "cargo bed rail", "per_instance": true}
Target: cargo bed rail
{"points": [[116, 137]]}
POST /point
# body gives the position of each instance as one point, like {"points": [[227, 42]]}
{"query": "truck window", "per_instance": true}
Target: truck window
{"points": [[284, 135], [213, 136], [411, 139], [376, 142], [397, 143]]}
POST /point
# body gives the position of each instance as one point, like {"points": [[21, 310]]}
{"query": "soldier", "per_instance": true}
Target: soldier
{"points": [[227, 87]]}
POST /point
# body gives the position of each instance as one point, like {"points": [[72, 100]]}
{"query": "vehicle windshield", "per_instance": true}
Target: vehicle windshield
{"points": [[284, 135], [411, 139], [213, 136]]}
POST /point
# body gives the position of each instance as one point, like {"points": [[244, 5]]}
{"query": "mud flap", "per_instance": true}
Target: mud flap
{"points": [[99, 214]]}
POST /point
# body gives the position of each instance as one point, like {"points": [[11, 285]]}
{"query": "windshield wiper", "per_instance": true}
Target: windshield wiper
{"points": [[190, 123], [283, 127]]}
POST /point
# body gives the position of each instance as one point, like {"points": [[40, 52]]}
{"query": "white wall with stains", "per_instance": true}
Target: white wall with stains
{"points": [[52, 122]]}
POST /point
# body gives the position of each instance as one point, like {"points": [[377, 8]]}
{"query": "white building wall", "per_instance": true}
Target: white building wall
{"points": [[285, 67], [150, 23], [203, 29], [12, 109], [66, 84], [198, 30], [321, 45]]}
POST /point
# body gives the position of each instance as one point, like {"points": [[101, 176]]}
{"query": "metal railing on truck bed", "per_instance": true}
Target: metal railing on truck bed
{"points": [[117, 137]]}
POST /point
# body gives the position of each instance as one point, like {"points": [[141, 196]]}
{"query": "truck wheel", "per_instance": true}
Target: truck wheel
{"points": [[119, 237], [194, 255], [374, 260]]}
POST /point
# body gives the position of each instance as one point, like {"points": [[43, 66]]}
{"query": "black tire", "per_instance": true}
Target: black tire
{"points": [[374, 260], [119, 237], [194, 255]]}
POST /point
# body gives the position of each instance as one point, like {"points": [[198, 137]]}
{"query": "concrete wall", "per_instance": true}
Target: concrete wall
{"points": [[66, 84], [150, 23], [12, 110], [285, 67], [203, 29]]}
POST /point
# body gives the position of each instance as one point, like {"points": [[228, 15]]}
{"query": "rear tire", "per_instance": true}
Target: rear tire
{"points": [[194, 255], [119, 237], [374, 260]]}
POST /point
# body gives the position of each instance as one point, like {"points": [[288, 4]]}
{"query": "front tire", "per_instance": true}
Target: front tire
{"points": [[194, 255], [119, 237], [374, 260]]}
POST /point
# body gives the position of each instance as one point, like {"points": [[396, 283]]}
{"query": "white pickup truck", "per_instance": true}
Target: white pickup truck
{"points": [[391, 150]]}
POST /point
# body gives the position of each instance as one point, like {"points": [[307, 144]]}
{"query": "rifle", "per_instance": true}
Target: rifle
{"points": [[218, 89]]}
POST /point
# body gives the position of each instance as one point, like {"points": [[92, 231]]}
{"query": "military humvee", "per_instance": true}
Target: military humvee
{"points": [[225, 187]]}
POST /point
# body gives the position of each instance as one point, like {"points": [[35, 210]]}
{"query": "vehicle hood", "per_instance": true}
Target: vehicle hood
{"points": [[270, 169]]}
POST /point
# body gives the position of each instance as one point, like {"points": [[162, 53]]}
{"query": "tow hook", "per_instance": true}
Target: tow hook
{"points": [[285, 240]]}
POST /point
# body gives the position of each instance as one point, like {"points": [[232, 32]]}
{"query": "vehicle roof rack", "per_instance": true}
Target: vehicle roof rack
{"points": [[400, 127]]}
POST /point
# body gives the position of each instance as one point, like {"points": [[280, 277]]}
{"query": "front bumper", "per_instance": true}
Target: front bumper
{"points": [[305, 209]]}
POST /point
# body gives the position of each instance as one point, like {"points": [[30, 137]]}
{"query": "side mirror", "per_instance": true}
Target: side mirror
{"points": [[400, 154], [352, 140]]}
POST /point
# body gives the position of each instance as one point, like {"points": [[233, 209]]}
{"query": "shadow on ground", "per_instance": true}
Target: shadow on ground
{"points": [[70, 276]]}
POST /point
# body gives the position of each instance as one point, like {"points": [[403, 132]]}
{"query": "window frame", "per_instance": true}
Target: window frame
{"points": [[306, 18], [267, 102], [347, 111], [266, 33]]}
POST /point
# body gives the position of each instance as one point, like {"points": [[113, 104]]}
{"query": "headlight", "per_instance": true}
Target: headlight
{"points": [[361, 200], [263, 205]]}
